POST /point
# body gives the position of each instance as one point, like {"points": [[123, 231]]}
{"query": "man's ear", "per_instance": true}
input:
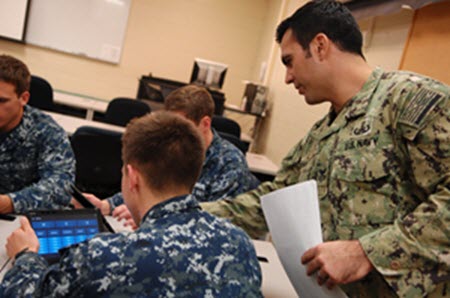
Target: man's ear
{"points": [[133, 177], [205, 123], [24, 97], [320, 46]]}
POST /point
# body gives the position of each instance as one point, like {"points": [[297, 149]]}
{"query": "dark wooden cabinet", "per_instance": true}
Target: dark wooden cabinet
{"points": [[156, 89]]}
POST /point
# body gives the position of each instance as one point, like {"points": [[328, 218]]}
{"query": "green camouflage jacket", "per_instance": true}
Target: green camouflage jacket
{"points": [[383, 177]]}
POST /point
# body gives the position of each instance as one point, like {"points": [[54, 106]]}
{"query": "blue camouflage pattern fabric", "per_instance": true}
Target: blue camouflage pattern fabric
{"points": [[382, 167], [225, 173], [178, 251], [37, 164]]}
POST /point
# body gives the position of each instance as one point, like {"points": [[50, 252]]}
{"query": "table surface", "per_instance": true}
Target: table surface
{"points": [[275, 282], [70, 123], [261, 164], [80, 101], [237, 109]]}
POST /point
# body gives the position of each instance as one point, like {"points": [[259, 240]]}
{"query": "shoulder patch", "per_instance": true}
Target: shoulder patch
{"points": [[419, 106]]}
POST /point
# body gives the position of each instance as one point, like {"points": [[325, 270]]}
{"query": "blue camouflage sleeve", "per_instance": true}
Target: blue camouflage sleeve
{"points": [[232, 179], [32, 277], [21, 280], [56, 167], [64, 279], [115, 200]]}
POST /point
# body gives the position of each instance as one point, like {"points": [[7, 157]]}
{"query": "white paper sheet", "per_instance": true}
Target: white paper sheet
{"points": [[116, 225], [6, 228], [293, 217]]}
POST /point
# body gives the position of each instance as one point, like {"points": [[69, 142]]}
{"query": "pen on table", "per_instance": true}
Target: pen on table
{"points": [[5, 264], [7, 217]]}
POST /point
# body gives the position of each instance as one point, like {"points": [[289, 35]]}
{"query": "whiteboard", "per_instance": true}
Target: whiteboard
{"points": [[12, 18], [90, 28]]}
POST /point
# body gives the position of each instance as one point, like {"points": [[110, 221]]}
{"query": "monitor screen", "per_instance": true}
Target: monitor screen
{"points": [[209, 74]]}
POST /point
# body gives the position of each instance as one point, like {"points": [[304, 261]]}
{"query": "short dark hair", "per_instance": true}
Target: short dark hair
{"points": [[166, 148], [193, 101], [15, 72], [324, 16]]}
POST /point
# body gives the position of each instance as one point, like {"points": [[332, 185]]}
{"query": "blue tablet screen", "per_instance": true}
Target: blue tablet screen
{"points": [[56, 230]]}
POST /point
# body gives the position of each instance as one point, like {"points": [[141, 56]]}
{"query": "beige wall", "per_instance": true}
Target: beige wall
{"points": [[267, 39], [290, 117], [163, 37], [266, 51], [387, 39]]}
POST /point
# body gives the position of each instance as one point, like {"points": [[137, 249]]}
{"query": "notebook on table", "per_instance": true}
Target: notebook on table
{"points": [[57, 229]]}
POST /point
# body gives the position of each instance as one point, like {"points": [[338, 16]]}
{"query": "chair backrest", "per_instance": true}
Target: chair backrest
{"points": [[98, 160], [41, 94], [226, 125], [121, 110], [235, 141]]}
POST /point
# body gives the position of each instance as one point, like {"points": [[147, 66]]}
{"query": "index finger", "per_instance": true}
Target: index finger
{"points": [[117, 211], [25, 223], [75, 203], [308, 255]]}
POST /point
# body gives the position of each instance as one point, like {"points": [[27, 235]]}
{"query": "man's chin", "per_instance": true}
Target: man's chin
{"points": [[312, 101], [309, 100]]}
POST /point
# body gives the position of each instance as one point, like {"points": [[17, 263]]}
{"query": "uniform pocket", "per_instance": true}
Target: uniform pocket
{"points": [[364, 165], [365, 188]]}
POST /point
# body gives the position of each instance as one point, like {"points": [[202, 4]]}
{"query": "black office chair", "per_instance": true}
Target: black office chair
{"points": [[121, 110], [235, 141], [98, 160], [226, 125], [41, 94]]}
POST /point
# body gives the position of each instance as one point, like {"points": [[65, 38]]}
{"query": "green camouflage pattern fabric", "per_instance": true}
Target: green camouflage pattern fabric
{"points": [[178, 251], [382, 171]]}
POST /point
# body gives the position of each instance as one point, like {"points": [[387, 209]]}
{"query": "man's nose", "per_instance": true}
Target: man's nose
{"points": [[289, 78]]}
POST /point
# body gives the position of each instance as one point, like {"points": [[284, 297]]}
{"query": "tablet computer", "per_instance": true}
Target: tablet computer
{"points": [[57, 229]]}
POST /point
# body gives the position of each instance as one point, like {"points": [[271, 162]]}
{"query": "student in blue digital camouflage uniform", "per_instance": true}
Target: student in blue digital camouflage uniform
{"points": [[225, 172], [37, 164], [380, 157], [177, 251]]}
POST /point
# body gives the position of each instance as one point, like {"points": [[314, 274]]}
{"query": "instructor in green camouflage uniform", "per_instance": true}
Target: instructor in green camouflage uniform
{"points": [[381, 159]]}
